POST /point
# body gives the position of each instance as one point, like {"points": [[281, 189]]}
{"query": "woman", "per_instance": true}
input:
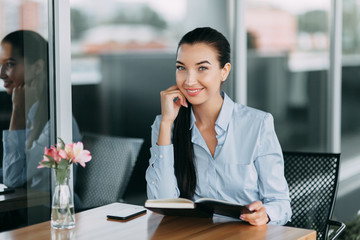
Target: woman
{"points": [[205, 145], [24, 70]]}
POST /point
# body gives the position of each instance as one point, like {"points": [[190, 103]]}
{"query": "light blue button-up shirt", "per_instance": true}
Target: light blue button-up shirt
{"points": [[247, 165]]}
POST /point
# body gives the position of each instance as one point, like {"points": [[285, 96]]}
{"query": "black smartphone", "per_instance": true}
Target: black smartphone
{"points": [[4, 190], [127, 213]]}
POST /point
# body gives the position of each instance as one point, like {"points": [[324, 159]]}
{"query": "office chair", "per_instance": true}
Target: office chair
{"points": [[313, 181], [106, 176]]}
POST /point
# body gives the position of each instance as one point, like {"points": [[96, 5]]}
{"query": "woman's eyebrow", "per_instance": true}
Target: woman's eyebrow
{"points": [[9, 59], [202, 62], [199, 63]]}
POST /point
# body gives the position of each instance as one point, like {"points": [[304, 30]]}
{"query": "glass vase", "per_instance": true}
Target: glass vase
{"points": [[62, 213]]}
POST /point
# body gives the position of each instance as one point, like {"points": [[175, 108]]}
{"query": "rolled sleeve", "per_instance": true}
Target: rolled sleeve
{"points": [[273, 188], [14, 174], [160, 176]]}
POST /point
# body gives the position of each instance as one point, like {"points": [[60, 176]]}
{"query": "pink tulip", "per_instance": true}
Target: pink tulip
{"points": [[80, 155], [52, 152], [73, 152], [41, 166]]}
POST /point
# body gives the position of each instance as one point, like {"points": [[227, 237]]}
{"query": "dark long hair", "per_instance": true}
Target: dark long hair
{"points": [[184, 164], [32, 47]]}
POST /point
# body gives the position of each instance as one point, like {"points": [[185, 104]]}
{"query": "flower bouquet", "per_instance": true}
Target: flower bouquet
{"points": [[60, 158]]}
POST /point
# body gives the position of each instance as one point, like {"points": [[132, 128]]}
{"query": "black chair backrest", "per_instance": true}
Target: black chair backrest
{"points": [[312, 180], [105, 177]]}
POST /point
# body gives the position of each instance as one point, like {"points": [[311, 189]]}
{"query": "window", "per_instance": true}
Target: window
{"points": [[24, 111]]}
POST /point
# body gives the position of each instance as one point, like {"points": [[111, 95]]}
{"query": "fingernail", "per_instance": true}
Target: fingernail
{"points": [[175, 99]]}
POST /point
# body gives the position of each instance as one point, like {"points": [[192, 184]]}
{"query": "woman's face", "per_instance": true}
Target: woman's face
{"points": [[199, 74], [12, 67]]}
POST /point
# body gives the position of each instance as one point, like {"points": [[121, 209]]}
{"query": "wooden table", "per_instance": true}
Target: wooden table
{"points": [[93, 224], [21, 198]]}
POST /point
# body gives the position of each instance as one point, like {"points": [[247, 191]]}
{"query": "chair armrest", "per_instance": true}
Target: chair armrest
{"points": [[339, 230]]}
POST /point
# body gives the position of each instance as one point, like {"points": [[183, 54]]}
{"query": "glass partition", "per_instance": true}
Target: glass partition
{"points": [[24, 112], [348, 207], [288, 64]]}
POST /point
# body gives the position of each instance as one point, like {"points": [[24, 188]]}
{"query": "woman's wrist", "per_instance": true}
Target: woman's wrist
{"points": [[17, 120], [165, 133]]}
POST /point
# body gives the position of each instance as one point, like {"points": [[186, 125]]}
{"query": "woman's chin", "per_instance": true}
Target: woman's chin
{"points": [[9, 91]]}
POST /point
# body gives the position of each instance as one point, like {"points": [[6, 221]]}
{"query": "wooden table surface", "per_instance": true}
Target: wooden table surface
{"points": [[93, 224]]}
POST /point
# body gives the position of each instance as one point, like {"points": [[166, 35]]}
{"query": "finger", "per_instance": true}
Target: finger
{"points": [[174, 87], [258, 217], [176, 96], [181, 100], [254, 206], [19, 84]]}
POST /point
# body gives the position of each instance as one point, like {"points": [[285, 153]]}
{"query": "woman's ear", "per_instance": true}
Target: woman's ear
{"points": [[39, 66], [225, 71]]}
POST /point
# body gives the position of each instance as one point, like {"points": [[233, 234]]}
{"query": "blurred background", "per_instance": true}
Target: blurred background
{"points": [[123, 55]]}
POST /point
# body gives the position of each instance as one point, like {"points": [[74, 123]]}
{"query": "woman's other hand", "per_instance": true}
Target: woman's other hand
{"points": [[171, 101], [258, 215], [18, 114]]}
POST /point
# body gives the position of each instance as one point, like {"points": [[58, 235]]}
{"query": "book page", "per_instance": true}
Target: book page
{"points": [[170, 203]]}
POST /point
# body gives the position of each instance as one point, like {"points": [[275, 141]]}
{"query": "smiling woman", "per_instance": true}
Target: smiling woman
{"points": [[198, 148]]}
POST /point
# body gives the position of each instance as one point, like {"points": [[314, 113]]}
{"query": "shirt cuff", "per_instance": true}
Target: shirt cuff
{"points": [[274, 216], [13, 140], [162, 156]]}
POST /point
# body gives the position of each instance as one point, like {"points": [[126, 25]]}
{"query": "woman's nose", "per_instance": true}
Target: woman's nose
{"points": [[2, 71], [190, 78]]}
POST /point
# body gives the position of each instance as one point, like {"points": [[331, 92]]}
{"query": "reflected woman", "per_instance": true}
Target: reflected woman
{"points": [[205, 145], [24, 71]]}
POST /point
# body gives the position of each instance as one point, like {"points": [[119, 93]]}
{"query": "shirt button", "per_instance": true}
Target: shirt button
{"points": [[155, 155], [161, 156], [153, 182]]}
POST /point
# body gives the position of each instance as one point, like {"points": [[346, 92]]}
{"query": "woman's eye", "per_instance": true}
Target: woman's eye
{"points": [[10, 64], [180, 68], [202, 68]]}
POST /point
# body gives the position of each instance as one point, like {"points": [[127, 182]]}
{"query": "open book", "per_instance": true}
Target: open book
{"points": [[203, 207]]}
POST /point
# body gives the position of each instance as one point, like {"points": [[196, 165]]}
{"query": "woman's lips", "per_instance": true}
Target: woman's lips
{"points": [[7, 84], [193, 91]]}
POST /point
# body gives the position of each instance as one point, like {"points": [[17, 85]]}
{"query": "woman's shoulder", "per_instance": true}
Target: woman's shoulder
{"points": [[244, 111]]}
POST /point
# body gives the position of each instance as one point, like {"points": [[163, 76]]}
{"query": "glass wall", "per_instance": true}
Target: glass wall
{"points": [[24, 112], [348, 205], [123, 55], [289, 42]]}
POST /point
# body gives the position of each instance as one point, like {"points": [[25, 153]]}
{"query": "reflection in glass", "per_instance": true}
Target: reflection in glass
{"points": [[23, 110], [24, 72]]}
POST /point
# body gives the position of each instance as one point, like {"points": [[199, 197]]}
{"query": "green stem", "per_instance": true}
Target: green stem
{"points": [[69, 212]]}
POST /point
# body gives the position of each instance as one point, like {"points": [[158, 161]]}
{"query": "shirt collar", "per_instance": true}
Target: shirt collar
{"points": [[32, 111], [224, 116]]}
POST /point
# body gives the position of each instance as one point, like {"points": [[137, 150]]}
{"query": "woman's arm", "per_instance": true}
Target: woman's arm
{"points": [[14, 172], [160, 177], [273, 188]]}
